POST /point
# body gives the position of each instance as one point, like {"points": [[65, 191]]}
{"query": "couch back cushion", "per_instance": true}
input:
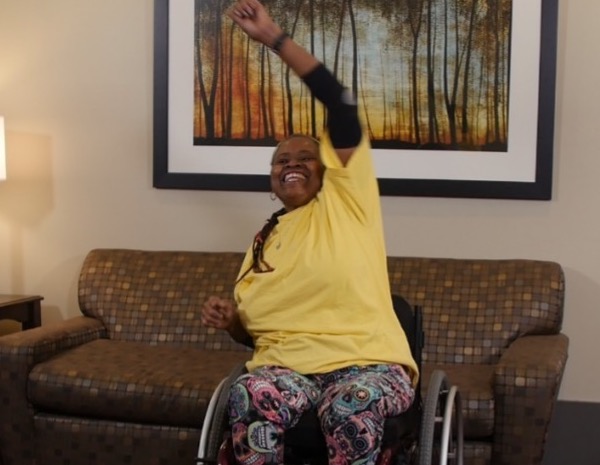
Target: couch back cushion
{"points": [[473, 309], [156, 296]]}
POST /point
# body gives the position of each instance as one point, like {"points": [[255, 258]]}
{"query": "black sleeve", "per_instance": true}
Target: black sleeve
{"points": [[342, 110]]}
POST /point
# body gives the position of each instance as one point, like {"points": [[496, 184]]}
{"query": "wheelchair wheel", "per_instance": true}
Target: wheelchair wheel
{"points": [[208, 448], [441, 437], [216, 424]]}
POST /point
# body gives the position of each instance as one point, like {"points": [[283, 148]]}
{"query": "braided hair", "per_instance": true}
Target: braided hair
{"points": [[259, 264]]}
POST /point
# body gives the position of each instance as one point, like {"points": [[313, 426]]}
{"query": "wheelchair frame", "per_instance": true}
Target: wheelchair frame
{"points": [[440, 437]]}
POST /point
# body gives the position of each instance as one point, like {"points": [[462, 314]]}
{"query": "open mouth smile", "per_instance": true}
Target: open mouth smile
{"points": [[293, 176]]}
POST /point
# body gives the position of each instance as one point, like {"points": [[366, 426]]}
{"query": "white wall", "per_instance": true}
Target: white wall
{"points": [[76, 93]]}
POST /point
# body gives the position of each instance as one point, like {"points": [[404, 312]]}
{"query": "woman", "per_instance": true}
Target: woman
{"points": [[313, 294]]}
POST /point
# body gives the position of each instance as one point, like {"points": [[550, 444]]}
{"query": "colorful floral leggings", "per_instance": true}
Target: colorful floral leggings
{"points": [[352, 404]]}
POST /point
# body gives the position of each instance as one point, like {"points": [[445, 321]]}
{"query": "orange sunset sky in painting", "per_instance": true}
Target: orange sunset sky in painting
{"points": [[427, 73]]}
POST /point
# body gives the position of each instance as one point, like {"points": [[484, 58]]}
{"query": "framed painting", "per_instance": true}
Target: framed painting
{"points": [[457, 96]]}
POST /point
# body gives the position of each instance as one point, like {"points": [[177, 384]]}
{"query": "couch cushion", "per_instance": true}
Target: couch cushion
{"points": [[474, 309], [155, 296], [131, 381], [475, 385]]}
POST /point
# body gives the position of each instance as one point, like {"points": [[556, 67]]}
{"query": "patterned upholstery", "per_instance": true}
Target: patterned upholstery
{"points": [[494, 327], [146, 377], [156, 297], [128, 381], [473, 309]]}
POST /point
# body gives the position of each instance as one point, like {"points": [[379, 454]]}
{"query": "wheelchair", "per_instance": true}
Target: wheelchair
{"points": [[429, 432]]}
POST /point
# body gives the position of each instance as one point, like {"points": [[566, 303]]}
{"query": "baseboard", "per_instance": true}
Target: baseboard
{"points": [[573, 436]]}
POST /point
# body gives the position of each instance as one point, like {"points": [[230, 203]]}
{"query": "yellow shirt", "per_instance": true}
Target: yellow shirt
{"points": [[327, 304]]}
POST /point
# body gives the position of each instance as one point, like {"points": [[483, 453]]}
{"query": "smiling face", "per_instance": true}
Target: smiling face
{"points": [[296, 171]]}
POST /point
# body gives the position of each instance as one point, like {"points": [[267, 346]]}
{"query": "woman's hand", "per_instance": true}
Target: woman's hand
{"points": [[222, 314], [252, 17], [219, 313]]}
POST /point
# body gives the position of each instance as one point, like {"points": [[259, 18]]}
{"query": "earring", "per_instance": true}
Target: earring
{"points": [[273, 196]]}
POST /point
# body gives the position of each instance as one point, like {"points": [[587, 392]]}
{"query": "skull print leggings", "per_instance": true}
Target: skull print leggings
{"points": [[352, 405]]}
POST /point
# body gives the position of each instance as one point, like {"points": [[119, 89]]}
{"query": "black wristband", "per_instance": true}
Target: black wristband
{"points": [[276, 47]]}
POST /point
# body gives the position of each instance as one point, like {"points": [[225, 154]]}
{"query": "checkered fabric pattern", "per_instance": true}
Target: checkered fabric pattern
{"points": [[128, 381], [494, 327]]}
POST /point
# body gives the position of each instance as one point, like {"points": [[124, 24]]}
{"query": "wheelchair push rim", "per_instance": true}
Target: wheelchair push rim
{"points": [[441, 437]]}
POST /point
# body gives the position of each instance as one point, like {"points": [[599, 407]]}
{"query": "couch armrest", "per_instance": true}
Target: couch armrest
{"points": [[526, 383], [19, 352]]}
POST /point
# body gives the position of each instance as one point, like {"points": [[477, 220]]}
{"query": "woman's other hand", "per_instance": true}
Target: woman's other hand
{"points": [[219, 313]]}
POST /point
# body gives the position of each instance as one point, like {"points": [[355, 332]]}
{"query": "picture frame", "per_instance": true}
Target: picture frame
{"points": [[400, 172]]}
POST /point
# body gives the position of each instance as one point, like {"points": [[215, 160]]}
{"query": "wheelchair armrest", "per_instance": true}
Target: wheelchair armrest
{"points": [[526, 383]]}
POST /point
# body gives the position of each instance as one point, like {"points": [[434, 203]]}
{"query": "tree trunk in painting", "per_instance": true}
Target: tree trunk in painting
{"points": [[428, 74]]}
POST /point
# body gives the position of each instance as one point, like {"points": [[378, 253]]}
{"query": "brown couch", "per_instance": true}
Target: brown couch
{"points": [[128, 381]]}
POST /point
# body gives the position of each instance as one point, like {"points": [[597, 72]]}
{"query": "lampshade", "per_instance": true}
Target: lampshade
{"points": [[2, 151]]}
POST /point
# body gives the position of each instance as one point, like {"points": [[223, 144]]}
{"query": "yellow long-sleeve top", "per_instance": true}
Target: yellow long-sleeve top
{"points": [[327, 304]]}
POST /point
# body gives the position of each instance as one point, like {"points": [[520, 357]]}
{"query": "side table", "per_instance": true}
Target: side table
{"points": [[25, 309]]}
